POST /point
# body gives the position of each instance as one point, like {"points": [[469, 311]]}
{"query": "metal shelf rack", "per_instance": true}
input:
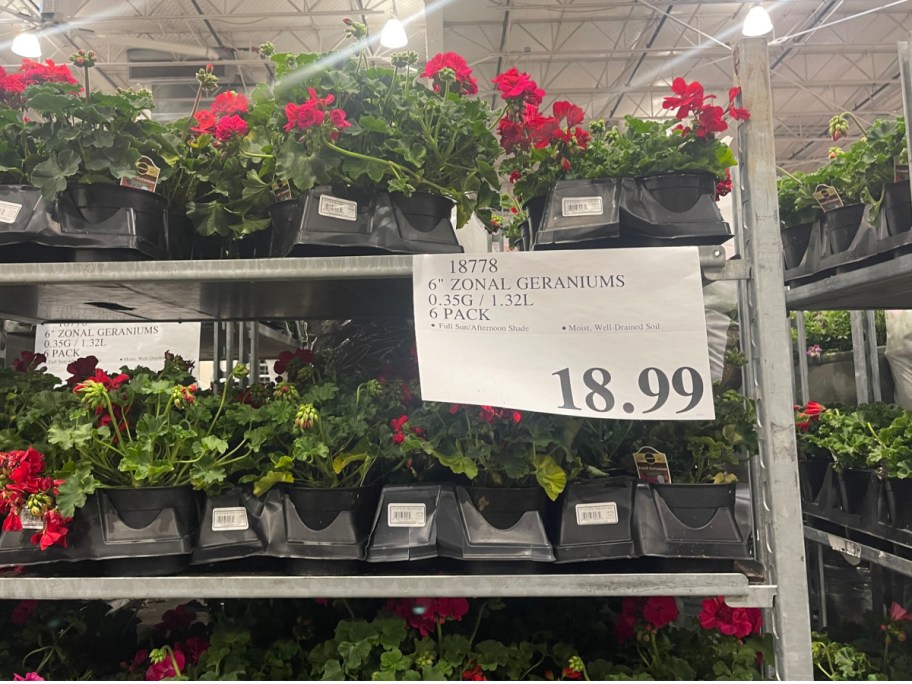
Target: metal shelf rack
{"points": [[381, 287]]}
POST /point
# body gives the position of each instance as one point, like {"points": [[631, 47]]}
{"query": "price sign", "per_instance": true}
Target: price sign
{"points": [[116, 344], [602, 333]]}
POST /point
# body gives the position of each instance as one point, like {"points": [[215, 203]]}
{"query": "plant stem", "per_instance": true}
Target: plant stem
{"points": [[221, 404], [196, 102], [85, 70]]}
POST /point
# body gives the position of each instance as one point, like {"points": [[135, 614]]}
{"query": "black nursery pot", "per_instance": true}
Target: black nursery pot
{"points": [[858, 492], [840, 226], [812, 474], [144, 531], [233, 525], [580, 214], [897, 207], [535, 210], [694, 520], [406, 521], [422, 210], [495, 524], [594, 521], [113, 217], [671, 208], [795, 240], [899, 503], [325, 531]]}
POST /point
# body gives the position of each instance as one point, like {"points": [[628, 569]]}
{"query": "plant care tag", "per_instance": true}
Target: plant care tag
{"points": [[652, 465], [30, 522], [146, 177], [406, 515], [844, 546], [230, 518], [141, 343], [900, 171], [828, 198], [9, 212], [615, 333], [582, 206], [282, 190], [336, 207], [597, 513]]}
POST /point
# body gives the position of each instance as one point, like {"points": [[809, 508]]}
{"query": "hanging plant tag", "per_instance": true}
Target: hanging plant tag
{"points": [[30, 522], [828, 198], [900, 171], [406, 515], [336, 207], [597, 514], [9, 211], [229, 519], [652, 466], [847, 548], [282, 190], [146, 177], [582, 206]]}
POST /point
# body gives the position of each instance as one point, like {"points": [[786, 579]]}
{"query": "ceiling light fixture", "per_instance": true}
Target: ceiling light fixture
{"points": [[26, 45], [757, 22], [393, 34]]}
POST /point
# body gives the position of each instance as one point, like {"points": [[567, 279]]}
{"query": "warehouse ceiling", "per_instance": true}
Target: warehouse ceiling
{"points": [[614, 57]]}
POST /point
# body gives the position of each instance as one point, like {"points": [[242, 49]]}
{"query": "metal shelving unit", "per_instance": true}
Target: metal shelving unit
{"points": [[380, 286]]}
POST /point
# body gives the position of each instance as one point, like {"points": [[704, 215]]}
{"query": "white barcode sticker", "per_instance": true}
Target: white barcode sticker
{"points": [[228, 519], [30, 522], [335, 207], [597, 514], [849, 548], [9, 211], [582, 206], [406, 515]]}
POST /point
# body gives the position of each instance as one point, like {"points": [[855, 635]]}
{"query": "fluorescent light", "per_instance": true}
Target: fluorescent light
{"points": [[757, 22], [26, 45], [393, 34]]}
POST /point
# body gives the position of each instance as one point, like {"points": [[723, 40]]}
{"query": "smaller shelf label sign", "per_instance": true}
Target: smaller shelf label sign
{"points": [[844, 546], [597, 514], [615, 333], [406, 515], [116, 344], [229, 518]]}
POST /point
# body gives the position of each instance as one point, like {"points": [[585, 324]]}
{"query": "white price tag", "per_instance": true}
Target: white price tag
{"points": [[597, 513], [844, 546], [30, 522], [406, 515], [9, 211], [229, 519], [617, 333], [336, 207], [582, 206], [116, 344]]}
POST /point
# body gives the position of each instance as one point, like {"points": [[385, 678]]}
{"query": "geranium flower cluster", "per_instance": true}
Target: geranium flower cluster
{"points": [[181, 653], [95, 392], [424, 614], [707, 119], [450, 72], [738, 622], [24, 488], [32, 73], [804, 416], [225, 118], [300, 357], [316, 112], [29, 362], [646, 614]]}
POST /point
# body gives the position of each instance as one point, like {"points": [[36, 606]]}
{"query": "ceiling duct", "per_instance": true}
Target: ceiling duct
{"points": [[163, 67]]}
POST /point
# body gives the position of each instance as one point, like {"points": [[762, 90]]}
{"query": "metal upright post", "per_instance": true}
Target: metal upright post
{"points": [[216, 353], [804, 389], [254, 353], [242, 327], [860, 357], [780, 534], [229, 347], [905, 76], [873, 358]]}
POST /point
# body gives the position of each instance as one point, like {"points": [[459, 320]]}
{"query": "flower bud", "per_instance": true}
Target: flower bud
{"points": [[306, 417], [266, 50], [240, 371]]}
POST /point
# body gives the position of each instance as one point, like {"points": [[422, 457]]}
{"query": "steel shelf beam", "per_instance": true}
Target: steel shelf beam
{"points": [[244, 289], [731, 585], [864, 552], [884, 285]]}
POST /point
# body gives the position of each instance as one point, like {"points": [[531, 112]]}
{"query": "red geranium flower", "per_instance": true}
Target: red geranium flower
{"points": [[474, 674], [519, 87], [465, 83], [177, 619], [54, 531], [337, 116], [737, 622], [23, 612], [424, 614], [81, 369], [229, 102], [303, 116], [688, 97], [804, 416], [660, 611], [205, 121], [28, 362], [710, 120], [737, 113], [723, 187], [304, 356], [567, 110], [165, 669], [230, 126]]}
